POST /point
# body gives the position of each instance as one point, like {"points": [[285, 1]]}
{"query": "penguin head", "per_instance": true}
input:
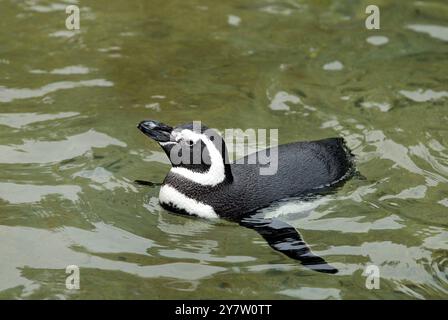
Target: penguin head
{"points": [[195, 151]]}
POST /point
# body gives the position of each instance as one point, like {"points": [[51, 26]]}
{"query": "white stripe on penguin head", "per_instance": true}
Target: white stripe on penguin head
{"points": [[216, 172]]}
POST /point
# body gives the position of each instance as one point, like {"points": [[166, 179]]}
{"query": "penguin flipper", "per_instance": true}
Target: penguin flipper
{"points": [[286, 239]]}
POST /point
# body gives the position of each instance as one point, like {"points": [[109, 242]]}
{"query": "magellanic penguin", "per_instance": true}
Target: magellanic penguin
{"points": [[203, 182]]}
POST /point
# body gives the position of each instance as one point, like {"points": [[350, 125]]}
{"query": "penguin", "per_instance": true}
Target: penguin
{"points": [[203, 182]]}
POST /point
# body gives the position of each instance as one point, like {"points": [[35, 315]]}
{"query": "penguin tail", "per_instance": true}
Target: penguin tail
{"points": [[340, 158]]}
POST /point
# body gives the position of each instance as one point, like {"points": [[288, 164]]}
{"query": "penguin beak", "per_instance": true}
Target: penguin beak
{"points": [[155, 130]]}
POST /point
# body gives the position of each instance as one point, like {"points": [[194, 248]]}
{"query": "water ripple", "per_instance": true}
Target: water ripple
{"points": [[19, 120], [10, 94], [35, 151], [29, 193], [435, 31], [36, 248]]}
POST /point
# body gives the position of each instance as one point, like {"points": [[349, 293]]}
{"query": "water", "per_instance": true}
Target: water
{"points": [[70, 150]]}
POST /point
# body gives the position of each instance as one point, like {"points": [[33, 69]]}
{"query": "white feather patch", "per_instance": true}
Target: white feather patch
{"points": [[166, 143], [216, 172], [169, 195]]}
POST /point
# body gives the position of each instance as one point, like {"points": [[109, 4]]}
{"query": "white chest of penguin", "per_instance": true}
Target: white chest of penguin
{"points": [[172, 197]]}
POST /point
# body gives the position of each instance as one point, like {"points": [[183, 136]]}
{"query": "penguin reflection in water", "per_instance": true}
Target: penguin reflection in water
{"points": [[209, 186]]}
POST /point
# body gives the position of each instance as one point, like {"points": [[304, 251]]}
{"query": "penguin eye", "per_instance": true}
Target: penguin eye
{"points": [[189, 143]]}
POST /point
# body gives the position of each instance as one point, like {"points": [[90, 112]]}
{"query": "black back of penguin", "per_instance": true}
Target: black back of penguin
{"points": [[303, 168]]}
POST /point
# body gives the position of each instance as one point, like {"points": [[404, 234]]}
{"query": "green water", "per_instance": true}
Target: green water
{"points": [[70, 150]]}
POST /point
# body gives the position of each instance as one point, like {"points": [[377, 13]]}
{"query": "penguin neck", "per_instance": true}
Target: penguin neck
{"points": [[215, 175], [219, 172], [228, 173]]}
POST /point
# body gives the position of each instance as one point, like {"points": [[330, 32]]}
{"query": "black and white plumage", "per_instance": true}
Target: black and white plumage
{"points": [[213, 187]]}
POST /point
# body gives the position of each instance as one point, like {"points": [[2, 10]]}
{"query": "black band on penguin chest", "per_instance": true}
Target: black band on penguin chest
{"points": [[194, 190]]}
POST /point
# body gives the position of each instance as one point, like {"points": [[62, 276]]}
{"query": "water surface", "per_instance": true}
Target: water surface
{"points": [[70, 150]]}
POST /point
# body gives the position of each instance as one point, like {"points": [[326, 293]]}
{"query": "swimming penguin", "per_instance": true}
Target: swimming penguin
{"points": [[203, 182]]}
